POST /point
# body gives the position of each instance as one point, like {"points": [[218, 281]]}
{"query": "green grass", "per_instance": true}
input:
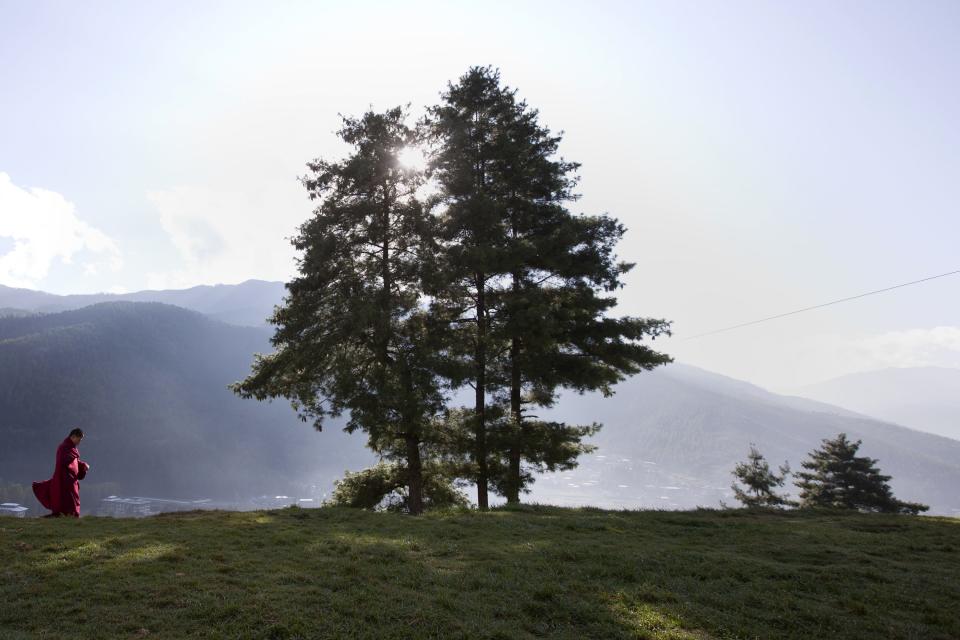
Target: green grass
{"points": [[526, 573]]}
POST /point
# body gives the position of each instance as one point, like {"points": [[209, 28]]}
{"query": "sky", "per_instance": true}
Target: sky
{"points": [[764, 156]]}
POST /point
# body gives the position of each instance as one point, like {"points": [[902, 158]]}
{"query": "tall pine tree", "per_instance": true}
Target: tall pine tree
{"points": [[547, 277], [468, 138], [837, 477], [555, 315], [352, 334]]}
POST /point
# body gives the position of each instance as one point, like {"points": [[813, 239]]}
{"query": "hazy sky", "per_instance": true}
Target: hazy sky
{"points": [[764, 155]]}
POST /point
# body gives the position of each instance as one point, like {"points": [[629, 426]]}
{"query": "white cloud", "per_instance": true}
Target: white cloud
{"points": [[938, 346], [44, 228], [227, 236]]}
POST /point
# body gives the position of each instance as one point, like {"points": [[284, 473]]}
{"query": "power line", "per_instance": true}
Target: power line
{"points": [[820, 306]]}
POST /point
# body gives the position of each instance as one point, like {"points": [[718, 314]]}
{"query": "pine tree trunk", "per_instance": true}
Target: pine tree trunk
{"points": [[516, 417], [414, 462], [516, 408], [414, 476], [480, 432], [384, 346]]}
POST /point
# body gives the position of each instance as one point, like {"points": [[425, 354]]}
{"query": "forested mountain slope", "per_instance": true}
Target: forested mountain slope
{"points": [[672, 436], [148, 383]]}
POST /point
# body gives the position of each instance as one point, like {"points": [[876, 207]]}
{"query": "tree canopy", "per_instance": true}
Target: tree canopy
{"points": [[527, 282], [352, 335], [489, 282]]}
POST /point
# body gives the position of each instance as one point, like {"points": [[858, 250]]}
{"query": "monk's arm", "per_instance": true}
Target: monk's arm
{"points": [[66, 460]]}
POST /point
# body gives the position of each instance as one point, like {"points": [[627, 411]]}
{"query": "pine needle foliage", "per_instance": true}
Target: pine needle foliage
{"points": [[837, 477], [527, 283], [352, 335], [760, 482]]}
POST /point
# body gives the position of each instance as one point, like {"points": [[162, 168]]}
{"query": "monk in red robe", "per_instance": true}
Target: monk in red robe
{"points": [[61, 493]]}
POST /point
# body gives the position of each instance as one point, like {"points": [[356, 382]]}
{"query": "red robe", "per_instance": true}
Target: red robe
{"points": [[61, 493]]}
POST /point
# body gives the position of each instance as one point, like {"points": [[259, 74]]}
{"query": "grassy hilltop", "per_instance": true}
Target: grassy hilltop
{"points": [[527, 573]]}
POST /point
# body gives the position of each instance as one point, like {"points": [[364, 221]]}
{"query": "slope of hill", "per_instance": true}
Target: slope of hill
{"points": [[924, 398], [672, 437], [148, 382], [518, 574], [249, 303]]}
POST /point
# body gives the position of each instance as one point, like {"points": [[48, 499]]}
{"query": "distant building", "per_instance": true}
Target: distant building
{"points": [[13, 509], [119, 507], [273, 502], [279, 502], [139, 507]]}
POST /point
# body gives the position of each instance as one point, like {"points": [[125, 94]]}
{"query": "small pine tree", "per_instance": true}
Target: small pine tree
{"points": [[760, 482], [837, 477], [385, 487]]}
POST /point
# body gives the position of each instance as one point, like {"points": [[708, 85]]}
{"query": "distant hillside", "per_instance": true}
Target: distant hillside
{"points": [[672, 436], [249, 303], [148, 382], [924, 398], [8, 312]]}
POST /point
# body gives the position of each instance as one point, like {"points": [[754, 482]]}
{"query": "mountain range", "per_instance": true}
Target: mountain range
{"points": [[671, 438], [249, 303], [924, 398], [148, 382]]}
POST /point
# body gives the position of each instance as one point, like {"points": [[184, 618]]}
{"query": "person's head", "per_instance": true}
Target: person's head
{"points": [[76, 436]]}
